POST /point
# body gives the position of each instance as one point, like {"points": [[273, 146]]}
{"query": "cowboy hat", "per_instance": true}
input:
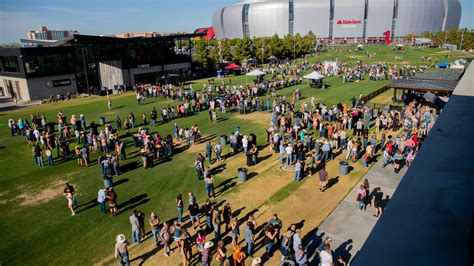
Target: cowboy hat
{"points": [[120, 238], [256, 261], [208, 244]]}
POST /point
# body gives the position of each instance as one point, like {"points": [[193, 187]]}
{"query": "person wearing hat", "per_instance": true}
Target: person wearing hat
{"points": [[285, 244], [121, 250], [206, 253], [154, 223], [256, 261]]}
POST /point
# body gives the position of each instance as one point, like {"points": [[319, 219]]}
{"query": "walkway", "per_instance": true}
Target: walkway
{"points": [[349, 227], [7, 104]]}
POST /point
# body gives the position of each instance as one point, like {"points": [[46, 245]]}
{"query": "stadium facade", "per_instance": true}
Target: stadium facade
{"points": [[336, 19]]}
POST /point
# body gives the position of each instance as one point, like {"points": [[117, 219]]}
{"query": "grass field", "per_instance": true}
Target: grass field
{"points": [[37, 227]]}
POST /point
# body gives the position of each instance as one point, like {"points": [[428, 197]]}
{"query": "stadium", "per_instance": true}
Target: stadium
{"points": [[368, 20]]}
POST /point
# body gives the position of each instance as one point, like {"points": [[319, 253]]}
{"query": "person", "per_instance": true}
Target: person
{"points": [[269, 239], [340, 261], [285, 244], [154, 223], [186, 246], [227, 215], [221, 253], [298, 170], [193, 210], [176, 232], [238, 256], [112, 198], [200, 239], [301, 257], [368, 201], [361, 197], [70, 189], [216, 223], [234, 226], [141, 223], [218, 151], [206, 254], [121, 250], [326, 241], [249, 238], [49, 156], [165, 238], [326, 256], [277, 225], [101, 198], [399, 160], [70, 203], [297, 241], [209, 152], [323, 179], [179, 207], [378, 201], [210, 186], [135, 227]]}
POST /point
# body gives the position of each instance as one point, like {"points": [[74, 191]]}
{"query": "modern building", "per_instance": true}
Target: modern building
{"points": [[133, 35], [44, 34], [88, 64], [336, 19]]}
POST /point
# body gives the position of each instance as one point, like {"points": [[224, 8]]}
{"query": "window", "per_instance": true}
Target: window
{"points": [[291, 16], [9, 64], [245, 20]]}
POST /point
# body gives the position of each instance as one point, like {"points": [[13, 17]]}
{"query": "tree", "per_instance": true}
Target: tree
{"points": [[275, 45], [201, 54], [242, 49], [213, 61], [11, 45], [225, 50], [262, 50]]}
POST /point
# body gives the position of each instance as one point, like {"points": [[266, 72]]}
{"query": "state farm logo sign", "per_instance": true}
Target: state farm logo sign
{"points": [[348, 23]]}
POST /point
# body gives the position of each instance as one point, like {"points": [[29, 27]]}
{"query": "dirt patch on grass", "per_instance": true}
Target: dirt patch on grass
{"points": [[262, 118], [42, 196]]}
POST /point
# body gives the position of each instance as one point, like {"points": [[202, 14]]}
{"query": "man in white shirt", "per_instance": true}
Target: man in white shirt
{"points": [[326, 256], [101, 200], [289, 156]]}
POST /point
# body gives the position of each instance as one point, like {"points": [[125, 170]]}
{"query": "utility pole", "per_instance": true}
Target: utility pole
{"points": [[219, 45]]}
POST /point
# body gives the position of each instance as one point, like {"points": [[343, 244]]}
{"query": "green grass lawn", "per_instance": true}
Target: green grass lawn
{"points": [[45, 233]]}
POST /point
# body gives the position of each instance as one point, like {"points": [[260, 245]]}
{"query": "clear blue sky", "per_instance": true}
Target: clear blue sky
{"points": [[95, 17]]}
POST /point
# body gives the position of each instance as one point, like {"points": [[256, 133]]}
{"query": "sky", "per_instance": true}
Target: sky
{"points": [[106, 17]]}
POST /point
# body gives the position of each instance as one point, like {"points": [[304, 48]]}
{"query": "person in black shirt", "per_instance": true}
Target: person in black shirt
{"points": [[378, 201], [193, 210]]}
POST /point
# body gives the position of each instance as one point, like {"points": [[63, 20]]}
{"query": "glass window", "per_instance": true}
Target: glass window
{"points": [[10, 64]]}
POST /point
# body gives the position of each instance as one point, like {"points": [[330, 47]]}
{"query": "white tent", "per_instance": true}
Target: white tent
{"points": [[314, 75], [256, 72], [360, 45]]}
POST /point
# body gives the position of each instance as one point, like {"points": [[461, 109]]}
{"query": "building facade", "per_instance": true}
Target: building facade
{"points": [[89, 64], [335, 19], [44, 34]]}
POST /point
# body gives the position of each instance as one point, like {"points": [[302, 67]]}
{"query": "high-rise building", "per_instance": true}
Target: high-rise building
{"points": [[44, 34]]}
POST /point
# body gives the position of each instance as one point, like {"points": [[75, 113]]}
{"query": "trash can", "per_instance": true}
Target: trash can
{"points": [[223, 140], [343, 168], [242, 174], [101, 121]]}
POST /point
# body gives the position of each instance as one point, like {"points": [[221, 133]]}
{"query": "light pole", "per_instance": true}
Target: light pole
{"points": [[219, 45], [85, 67], [462, 39]]}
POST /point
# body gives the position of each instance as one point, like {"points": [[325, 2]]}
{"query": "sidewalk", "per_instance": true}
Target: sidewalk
{"points": [[7, 104], [347, 225]]}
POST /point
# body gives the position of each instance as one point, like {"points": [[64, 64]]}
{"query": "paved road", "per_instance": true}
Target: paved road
{"points": [[347, 225]]}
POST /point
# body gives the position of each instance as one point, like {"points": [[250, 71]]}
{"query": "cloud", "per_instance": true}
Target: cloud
{"points": [[58, 8]]}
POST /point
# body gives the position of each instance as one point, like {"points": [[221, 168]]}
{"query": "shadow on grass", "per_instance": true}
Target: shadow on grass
{"points": [[132, 203]]}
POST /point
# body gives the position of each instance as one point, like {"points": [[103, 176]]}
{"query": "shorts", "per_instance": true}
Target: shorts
{"points": [[177, 239], [398, 161], [194, 218], [166, 243], [235, 235], [323, 183], [377, 204]]}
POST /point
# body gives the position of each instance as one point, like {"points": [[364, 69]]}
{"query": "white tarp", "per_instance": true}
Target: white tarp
{"points": [[314, 75], [256, 72]]}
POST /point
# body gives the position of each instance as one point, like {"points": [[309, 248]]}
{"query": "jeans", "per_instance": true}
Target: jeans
{"points": [[268, 248], [282, 156], [245, 149], [217, 232], [325, 156], [249, 248], [297, 175], [154, 233], [123, 259], [199, 172], [39, 161], [289, 160], [116, 169], [102, 207], [362, 205], [210, 190], [209, 157], [50, 160], [180, 215], [208, 221], [348, 154], [218, 156], [136, 235]]}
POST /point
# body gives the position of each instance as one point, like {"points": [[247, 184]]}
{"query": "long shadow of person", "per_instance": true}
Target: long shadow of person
{"points": [[344, 250]]}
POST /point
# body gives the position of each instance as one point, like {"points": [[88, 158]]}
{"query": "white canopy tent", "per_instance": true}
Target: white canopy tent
{"points": [[256, 72], [314, 75]]}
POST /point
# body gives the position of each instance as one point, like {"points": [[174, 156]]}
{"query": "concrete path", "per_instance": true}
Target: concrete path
{"points": [[347, 225], [7, 104]]}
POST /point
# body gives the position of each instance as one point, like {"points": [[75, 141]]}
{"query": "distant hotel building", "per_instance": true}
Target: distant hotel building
{"points": [[44, 34]]}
